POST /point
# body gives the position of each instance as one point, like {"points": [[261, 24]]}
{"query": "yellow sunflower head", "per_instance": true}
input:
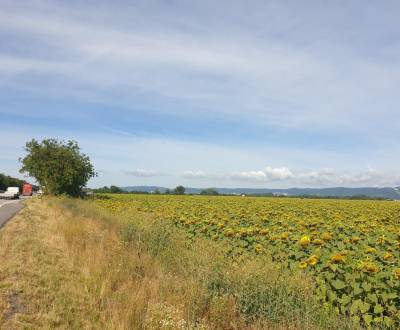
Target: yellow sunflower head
{"points": [[304, 241], [326, 236], [370, 267], [370, 250], [388, 256], [302, 265], [317, 241], [312, 261], [258, 248], [338, 258]]}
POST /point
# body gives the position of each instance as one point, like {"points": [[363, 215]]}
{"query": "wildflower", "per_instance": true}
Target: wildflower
{"points": [[396, 273], [258, 248], [354, 239]]}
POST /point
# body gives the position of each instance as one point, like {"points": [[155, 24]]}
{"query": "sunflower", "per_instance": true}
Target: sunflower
{"points": [[284, 236], [304, 241], [338, 258], [302, 265], [388, 256], [370, 250], [326, 236], [317, 241], [312, 261], [370, 267]]}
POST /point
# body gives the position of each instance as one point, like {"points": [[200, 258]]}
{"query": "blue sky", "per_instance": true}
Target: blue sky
{"points": [[207, 93]]}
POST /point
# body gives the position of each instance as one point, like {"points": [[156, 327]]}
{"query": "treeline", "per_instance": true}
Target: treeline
{"points": [[8, 181], [179, 190]]}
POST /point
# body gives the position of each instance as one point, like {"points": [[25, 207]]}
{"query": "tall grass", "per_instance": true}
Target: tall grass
{"points": [[142, 273]]}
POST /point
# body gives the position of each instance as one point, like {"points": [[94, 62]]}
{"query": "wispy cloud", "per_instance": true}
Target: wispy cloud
{"points": [[144, 173], [141, 81], [193, 174]]}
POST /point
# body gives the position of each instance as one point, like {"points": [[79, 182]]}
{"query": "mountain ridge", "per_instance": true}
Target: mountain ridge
{"points": [[382, 192]]}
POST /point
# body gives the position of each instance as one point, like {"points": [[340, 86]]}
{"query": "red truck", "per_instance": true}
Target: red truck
{"points": [[27, 189]]}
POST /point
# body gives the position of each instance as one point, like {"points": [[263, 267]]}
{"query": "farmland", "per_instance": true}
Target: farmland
{"points": [[350, 248]]}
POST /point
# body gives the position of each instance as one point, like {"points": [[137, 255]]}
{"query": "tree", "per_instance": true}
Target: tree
{"points": [[8, 181], [167, 191], [59, 167], [209, 191], [179, 190], [115, 190]]}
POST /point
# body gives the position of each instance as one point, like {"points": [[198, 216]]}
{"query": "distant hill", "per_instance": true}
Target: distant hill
{"points": [[387, 192]]}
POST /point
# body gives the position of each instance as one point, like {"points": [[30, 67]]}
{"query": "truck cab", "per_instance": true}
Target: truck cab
{"points": [[27, 189]]}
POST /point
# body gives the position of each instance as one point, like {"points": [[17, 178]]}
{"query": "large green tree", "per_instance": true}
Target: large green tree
{"points": [[59, 167], [179, 190]]}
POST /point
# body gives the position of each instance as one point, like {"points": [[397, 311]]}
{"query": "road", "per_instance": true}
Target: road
{"points": [[8, 209]]}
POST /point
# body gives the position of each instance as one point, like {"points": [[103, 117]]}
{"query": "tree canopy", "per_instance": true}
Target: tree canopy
{"points": [[179, 190], [8, 181], [209, 191], [59, 167]]}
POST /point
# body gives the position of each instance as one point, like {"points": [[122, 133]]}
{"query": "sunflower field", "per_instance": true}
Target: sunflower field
{"points": [[351, 248]]}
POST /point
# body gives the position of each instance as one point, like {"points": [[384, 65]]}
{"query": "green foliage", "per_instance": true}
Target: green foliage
{"points": [[179, 190], [109, 190], [8, 181], [209, 192], [58, 166]]}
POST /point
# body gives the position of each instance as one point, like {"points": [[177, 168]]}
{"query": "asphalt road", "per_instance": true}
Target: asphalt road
{"points": [[8, 209]]}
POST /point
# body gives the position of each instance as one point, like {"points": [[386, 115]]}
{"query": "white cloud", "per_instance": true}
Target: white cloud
{"points": [[278, 173], [266, 175], [251, 176], [194, 174], [318, 178]]}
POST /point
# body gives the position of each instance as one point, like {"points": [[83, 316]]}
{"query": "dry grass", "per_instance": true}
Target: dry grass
{"points": [[67, 264]]}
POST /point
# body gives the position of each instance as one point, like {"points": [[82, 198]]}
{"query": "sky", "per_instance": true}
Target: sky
{"points": [[267, 94]]}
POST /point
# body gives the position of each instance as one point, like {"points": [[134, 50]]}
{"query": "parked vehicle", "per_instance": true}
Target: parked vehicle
{"points": [[27, 189], [11, 193]]}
